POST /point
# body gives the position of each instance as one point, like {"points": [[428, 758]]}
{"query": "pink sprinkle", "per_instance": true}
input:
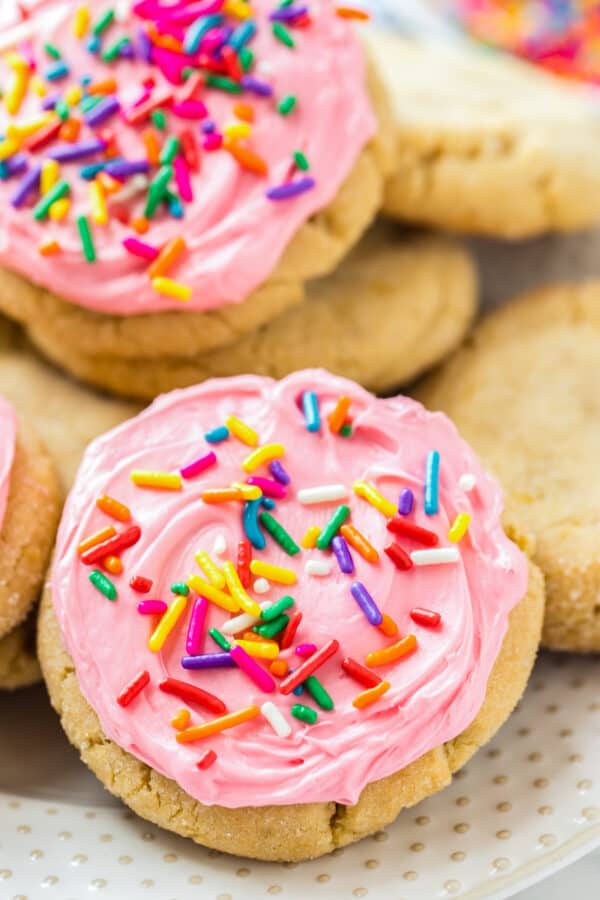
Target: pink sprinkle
{"points": [[190, 109], [213, 141], [152, 607], [195, 632], [182, 179], [193, 84], [305, 649], [269, 487], [250, 667], [190, 13], [139, 248], [212, 40], [199, 465]]}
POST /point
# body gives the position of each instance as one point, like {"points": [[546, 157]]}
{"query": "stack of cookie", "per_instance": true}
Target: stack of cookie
{"points": [[279, 612]]}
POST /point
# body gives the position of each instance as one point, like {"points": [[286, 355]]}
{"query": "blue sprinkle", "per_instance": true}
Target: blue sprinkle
{"points": [[432, 479], [176, 208], [251, 526], [217, 435], [297, 690], [268, 503], [242, 34], [93, 45], [85, 80], [310, 407], [56, 71], [196, 31]]}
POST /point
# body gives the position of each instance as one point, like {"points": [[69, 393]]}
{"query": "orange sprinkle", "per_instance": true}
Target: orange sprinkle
{"points": [[181, 719], [247, 159], [351, 12], [392, 653], [338, 416], [113, 508], [109, 184], [221, 495], [388, 626], [152, 145], [69, 130], [108, 86], [163, 40], [359, 542], [103, 535], [113, 565], [279, 668], [365, 698], [167, 257], [140, 225], [244, 111], [49, 248], [230, 720]]}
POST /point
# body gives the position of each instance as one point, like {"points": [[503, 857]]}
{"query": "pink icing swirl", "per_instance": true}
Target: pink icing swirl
{"points": [[435, 693], [235, 235], [8, 436]]}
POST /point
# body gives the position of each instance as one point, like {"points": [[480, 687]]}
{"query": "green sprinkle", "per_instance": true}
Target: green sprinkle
{"points": [[285, 3], [156, 190], [159, 118], [223, 84], [103, 23], [287, 105], [170, 150], [52, 51], [270, 629], [301, 161], [62, 110], [55, 193], [277, 609], [103, 584], [346, 430], [246, 58], [113, 51], [278, 533], [180, 587], [318, 692], [187, 73], [87, 242], [304, 713], [219, 639], [283, 35], [331, 529]]}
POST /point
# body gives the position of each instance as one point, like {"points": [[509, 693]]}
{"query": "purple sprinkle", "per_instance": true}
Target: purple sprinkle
{"points": [[288, 13], [70, 152], [305, 650], [127, 51], [152, 607], [366, 603], [195, 630], [208, 661], [102, 111], [15, 165], [125, 168], [199, 465], [268, 487], [144, 45], [278, 472], [291, 189], [27, 184], [255, 86], [208, 127], [405, 502], [50, 101], [343, 555]]}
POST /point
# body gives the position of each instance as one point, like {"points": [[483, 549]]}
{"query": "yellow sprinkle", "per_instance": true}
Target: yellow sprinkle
{"points": [[272, 573], [169, 288], [372, 496], [22, 130], [260, 649], [219, 598], [248, 491], [16, 91], [236, 130], [81, 22], [16, 62], [212, 571], [238, 9], [49, 176], [241, 431], [459, 527], [237, 591], [164, 480], [8, 148], [98, 203], [60, 209], [167, 623], [263, 455], [309, 541], [39, 87], [73, 95]]}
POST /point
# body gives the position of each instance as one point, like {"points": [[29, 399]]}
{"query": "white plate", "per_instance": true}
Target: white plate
{"points": [[525, 806]]}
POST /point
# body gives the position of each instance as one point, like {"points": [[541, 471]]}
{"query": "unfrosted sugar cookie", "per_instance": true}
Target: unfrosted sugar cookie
{"points": [[29, 512], [317, 606], [171, 174]]}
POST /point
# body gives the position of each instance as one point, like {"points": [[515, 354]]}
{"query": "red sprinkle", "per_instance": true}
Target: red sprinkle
{"points": [[230, 58], [193, 694], [131, 690], [113, 545], [311, 665], [189, 148], [425, 617], [206, 761], [42, 136], [400, 525], [398, 556], [290, 630], [360, 673], [140, 584], [244, 558]]}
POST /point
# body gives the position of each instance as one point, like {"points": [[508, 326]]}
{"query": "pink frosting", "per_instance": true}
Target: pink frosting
{"points": [[235, 235], [435, 693], [8, 435]]}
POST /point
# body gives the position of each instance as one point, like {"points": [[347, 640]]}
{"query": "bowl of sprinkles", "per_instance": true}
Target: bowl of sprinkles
{"points": [[278, 595]]}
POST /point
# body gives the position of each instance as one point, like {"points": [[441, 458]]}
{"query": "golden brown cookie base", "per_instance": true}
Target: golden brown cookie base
{"points": [[28, 529], [293, 832], [524, 392], [19, 667], [395, 307]]}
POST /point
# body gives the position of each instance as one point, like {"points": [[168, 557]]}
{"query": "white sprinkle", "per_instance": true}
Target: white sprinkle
{"points": [[133, 186], [261, 586], [467, 482], [220, 545], [242, 622], [322, 494], [435, 557], [276, 719], [317, 567]]}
